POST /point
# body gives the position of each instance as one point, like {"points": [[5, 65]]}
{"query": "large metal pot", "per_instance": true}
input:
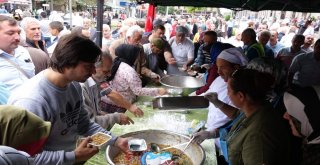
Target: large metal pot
{"points": [[194, 151], [188, 84]]}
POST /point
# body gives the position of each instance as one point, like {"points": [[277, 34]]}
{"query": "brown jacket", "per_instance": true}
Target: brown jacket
{"points": [[40, 58]]}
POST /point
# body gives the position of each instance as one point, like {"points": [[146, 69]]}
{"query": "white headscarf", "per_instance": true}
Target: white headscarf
{"points": [[234, 55], [303, 104]]}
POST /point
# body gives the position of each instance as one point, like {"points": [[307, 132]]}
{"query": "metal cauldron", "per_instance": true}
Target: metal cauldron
{"points": [[188, 84], [195, 152]]}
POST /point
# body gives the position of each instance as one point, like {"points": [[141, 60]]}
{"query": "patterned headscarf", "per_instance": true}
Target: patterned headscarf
{"points": [[125, 53]]}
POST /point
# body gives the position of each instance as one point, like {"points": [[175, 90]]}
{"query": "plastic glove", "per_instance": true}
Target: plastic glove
{"points": [[213, 98], [199, 137]]}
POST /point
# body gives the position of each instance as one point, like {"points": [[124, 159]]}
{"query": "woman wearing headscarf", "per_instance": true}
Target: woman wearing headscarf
{"points": [[274, 96], [125, 80], [259, 136], [227, 62], [302, 104], [22, 130]]}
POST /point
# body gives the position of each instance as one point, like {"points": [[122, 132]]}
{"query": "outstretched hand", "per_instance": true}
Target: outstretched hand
{"points": [[85, 151], [136, 111], [213, 98]]}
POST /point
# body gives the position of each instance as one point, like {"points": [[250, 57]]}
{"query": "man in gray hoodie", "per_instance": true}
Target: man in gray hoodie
{"points": [[55, 95]]}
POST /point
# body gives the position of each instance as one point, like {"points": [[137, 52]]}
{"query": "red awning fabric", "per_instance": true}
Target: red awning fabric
{"points": [[253, 5]]}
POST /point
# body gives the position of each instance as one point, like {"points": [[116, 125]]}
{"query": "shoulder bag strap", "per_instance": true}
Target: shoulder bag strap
{"points": [[17, 67]]}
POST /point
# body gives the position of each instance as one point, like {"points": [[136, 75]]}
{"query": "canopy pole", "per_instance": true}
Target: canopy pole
{"points": [[70, 12], [99, 22]]}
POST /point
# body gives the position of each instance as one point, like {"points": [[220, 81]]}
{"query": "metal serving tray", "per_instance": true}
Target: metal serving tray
{"points": [[181, 102]]}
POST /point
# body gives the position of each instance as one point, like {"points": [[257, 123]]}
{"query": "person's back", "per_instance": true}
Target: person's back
{"points": [[286, 55], [44, 27], [268, 51], [305, 70], [265, 133], [254, 50]]}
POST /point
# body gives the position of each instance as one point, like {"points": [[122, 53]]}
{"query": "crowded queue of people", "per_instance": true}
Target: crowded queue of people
{"points": [[69, 87]]}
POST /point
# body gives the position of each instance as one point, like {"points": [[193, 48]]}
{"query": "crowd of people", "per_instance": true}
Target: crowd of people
{"points": [[262, 81]]}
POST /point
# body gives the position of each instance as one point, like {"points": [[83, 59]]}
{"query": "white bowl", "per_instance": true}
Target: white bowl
{"points": [[137, 145]]}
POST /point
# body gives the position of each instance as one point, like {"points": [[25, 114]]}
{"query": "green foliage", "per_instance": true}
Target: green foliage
{"points": [[227, 17], [162, 9], [88, 2], [194, 9]]}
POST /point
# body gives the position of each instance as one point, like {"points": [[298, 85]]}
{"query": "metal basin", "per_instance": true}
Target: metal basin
{"points": [[194, 151], [188, 84], [184, 102]]}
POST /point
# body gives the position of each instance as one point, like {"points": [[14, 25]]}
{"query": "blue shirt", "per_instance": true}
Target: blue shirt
{"points": [[9, 74], [4, 94], [276, 48]]}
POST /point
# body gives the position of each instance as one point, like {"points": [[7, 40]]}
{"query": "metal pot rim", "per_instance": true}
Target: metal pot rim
{"points": [[151, 130]]}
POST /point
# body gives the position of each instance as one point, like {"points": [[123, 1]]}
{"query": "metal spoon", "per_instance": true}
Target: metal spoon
{"points": [[155, 148]]}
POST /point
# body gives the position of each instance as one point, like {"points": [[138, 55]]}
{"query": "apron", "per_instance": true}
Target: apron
{"points": [[223, 132]]}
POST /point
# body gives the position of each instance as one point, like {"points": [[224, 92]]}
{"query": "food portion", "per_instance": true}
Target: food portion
{"points": [[100, 138], [173, 156]]}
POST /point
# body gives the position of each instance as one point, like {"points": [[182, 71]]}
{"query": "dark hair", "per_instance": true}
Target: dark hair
{"points": [[43, 14], [71, 49], [317, 42], [17, 16], [210, 33], [12, 22], [274, 67], [252, 83], [299, 37], [250, 33], [56, 25], [161, 27]]}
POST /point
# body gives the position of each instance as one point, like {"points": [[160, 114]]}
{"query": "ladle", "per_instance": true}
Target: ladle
{"points": [[177, 157], [156, 148]]}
